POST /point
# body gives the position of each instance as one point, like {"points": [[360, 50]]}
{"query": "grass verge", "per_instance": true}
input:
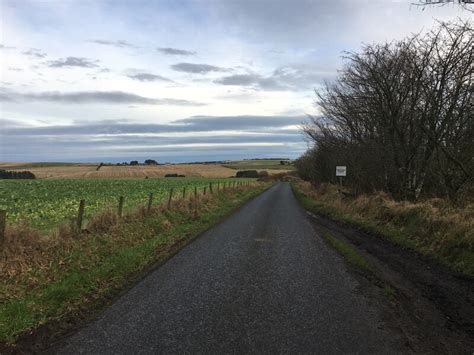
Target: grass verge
{"points": [[431, 228], [354, 258], [50, 278], [347, 251]]}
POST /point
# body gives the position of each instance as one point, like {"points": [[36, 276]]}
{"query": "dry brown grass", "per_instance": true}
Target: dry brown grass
{"points": [[26, 251], [434, 227]]}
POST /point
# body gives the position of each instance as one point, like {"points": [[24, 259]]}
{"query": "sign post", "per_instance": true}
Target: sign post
{"points": [[341, 171]]}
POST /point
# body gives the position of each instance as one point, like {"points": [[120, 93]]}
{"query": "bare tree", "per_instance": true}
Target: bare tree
{"points": [[401, 115], [466, 4]]}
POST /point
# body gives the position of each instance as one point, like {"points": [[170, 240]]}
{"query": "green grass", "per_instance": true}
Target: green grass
{"points": [[44, 204], [258, 164], [100, 265], [347, 251], [390, 292]]}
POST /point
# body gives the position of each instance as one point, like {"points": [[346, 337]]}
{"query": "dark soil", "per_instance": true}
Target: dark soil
{"points": [[432, 306]]}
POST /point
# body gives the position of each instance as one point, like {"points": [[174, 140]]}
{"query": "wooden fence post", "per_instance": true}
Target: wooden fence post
{"points": [[3, 225], [171, 196], [184, 192], [120, 206], [210, 188], [217, 187], [150, 202], [80, 215], [204, 192]]}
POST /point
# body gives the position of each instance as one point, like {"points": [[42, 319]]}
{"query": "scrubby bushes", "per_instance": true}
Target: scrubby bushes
{"points": [[174, 175], [5, 174], [251, 174]]}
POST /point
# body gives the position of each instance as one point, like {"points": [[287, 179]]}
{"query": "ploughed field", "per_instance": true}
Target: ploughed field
{"points": [[45, 204]]}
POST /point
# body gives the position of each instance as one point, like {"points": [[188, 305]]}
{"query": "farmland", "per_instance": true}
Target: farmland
{"points": [[47, 203], [89, 171], [271, 165]]}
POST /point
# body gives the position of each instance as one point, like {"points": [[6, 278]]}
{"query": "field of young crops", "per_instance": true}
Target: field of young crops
{"points": [[45, 204]]}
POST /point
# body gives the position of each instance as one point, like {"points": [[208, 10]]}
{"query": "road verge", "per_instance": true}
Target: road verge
{"points": [[433, 229], [432, 305], [89, 270]]}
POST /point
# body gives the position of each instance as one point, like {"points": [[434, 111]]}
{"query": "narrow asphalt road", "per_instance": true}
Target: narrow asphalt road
{"points": [[261, 281]]}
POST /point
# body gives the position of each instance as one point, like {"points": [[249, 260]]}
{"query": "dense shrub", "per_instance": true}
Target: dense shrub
{"points": [[174, 175], [247, 174], [5, 174]]}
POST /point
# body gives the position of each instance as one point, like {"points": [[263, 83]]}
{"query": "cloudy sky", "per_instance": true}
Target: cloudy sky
{"points": [[178, 80]]}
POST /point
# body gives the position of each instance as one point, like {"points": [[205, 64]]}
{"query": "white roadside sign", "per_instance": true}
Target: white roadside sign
{"points": [[341, 170]]}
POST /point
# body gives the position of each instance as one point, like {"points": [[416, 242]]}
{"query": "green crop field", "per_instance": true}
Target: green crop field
{"points": [[260, 164], [45, 204]]}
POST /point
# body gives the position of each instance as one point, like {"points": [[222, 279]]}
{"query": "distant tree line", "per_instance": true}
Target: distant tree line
{"points": [[251, 174], [131, 163], [400, 117], [5, 174]]}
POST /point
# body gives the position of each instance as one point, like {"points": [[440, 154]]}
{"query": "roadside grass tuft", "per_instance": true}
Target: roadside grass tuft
{"points": [[390, 293], [347, 251]]}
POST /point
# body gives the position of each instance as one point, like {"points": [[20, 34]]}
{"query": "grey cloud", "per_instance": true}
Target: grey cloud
{"points": [[282, 79], [239, 79], [304, 76], [244, 96], [73, 62], [37, 149], [175, 51], [293, 22], [247, 122], [263, 136], [144, 77], [14, 69], [2, 46], [191, 124], [118, 43], [5, 98], [111, 97], [254, 80], [34, 52], [177, 102], [197, 68], [7, 123], [333, 25]]}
